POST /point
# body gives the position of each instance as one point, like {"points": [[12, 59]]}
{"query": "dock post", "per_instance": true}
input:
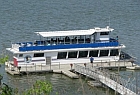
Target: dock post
{"points": [[71, 66], [85, 65]]}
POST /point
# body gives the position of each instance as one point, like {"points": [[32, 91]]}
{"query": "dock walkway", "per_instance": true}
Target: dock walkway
{"points": [[109, 79]]}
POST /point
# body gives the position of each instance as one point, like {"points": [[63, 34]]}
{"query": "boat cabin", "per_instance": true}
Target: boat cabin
{"points": [[64, 47]]}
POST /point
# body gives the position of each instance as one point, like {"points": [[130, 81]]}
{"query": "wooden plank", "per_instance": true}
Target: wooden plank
{"points": [[12, 72], [70, 74]]}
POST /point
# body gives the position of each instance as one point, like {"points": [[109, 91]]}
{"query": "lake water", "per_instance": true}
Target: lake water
{"points": [[19, 19]]}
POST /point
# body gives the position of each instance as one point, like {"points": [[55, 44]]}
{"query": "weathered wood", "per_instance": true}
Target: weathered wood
{"points": [[70, 74]]}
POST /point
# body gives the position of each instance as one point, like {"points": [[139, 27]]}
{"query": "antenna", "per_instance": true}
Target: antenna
{"points": [[109, 21]]}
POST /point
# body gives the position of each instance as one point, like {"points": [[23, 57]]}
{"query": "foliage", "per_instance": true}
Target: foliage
{"points": [[1, 77], [6, 90], [40, 88], [3, 59]]}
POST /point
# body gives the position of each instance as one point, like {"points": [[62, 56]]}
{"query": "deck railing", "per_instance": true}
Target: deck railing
{"points": [[68, 46], [55, 42]]}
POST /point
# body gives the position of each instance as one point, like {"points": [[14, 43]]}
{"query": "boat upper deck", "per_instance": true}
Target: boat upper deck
{"points": [[92, 38]]}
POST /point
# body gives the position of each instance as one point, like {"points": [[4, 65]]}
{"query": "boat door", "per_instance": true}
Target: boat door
{"points": [[93, 37], [48, 60]]}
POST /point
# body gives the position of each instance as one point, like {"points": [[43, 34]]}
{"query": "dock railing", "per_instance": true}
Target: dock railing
{"points": [[113, 80], [40, 67]]}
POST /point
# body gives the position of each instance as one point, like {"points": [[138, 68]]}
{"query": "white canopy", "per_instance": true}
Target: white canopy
{"points": [[73, 32]]}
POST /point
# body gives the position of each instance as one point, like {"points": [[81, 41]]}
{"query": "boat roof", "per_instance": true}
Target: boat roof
{"points": [[74, 32]]}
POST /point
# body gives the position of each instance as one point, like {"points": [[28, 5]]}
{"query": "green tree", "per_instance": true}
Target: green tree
{"points": [[40, 88], [3, 59], [6, 90]]}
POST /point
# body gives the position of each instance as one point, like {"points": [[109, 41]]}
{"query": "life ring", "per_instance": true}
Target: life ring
{"points": [[28, 59]]}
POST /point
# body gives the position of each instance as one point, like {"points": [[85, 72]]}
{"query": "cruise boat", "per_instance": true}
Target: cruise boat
{"points": [[65, 47]]}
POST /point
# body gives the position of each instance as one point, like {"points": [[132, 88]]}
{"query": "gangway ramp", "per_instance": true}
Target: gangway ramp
{"points": [[110, 79]]}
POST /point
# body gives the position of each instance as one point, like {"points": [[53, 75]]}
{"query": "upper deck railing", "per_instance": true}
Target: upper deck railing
{"points": [[50, 45]]}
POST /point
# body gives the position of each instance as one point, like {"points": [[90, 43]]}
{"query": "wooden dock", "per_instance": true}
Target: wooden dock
{"points": [[12, 72], [63, 68], [94, 71]]}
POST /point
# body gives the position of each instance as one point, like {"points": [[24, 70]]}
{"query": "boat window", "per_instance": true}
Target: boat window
{"points": [[39, 55], [72, 54], [83, 54], [93, 53], [114, 52], [67, 40], [20, 55], [61, 55], [104, 33], [104, 52]]}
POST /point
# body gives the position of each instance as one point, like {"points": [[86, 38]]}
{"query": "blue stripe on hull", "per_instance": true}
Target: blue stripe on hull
{"points": [[68, 46]]}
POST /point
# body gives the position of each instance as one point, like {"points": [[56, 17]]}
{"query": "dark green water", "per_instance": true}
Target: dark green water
{"points": [[19, 19]]}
